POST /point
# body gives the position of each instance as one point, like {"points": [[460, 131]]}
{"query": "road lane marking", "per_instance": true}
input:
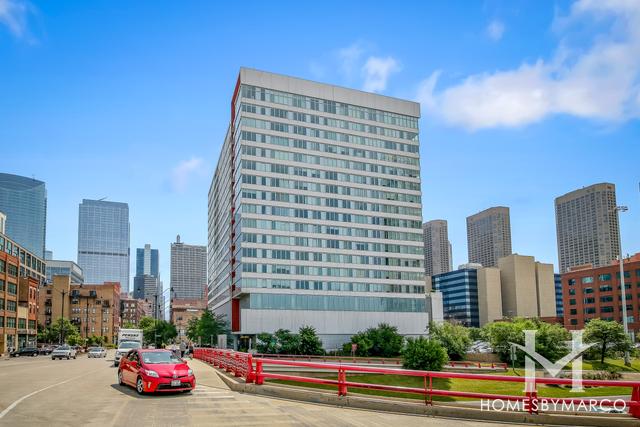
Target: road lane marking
{"points": [[17, 402]]}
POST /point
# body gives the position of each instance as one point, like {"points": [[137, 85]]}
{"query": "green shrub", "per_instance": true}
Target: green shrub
{"points": [[424, 354], [454, 338]]}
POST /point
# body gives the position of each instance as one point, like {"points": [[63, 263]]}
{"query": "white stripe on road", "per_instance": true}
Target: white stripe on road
{"points": [[17, 402]]}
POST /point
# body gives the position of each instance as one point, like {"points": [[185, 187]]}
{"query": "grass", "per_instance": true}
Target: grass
{"points": [[489, 387], [611, 363]]}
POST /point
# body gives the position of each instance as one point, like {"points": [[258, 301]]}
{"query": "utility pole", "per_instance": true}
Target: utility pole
{"points": [[623, 290], [62, 317]]}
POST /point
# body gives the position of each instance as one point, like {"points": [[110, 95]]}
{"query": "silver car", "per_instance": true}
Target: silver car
{"points": [[63, 352], [97, 352]]}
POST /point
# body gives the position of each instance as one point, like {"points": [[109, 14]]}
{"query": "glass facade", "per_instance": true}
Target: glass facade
{"points": [[103, 242], [459, 295], [147, 261], [313, 195], [558, 286], [24, 201], [64, 268]]}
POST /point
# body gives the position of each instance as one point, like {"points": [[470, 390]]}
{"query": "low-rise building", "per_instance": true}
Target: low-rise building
{"points": [[21, 272], [65, 268], [93, 309], [459, 290], [182, 311], [528, 287], [131, 310], [590, 293]]}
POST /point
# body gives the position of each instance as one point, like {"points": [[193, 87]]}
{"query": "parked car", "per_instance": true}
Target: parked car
{"points": [[25, 351], [63, 352], [96, 352], [152, 371], [46, 350]]}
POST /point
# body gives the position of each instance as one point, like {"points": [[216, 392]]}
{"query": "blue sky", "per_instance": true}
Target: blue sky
{"points": [[521, 102]]}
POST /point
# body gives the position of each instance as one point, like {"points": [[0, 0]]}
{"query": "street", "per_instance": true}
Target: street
{"points": [[37, 391]]}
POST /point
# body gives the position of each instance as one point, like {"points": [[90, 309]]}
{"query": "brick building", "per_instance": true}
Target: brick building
{"points": [[183, 310], [589, 293], [131, 310]]}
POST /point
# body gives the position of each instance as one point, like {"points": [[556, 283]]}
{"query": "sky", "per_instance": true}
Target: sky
{"points": [[521, 102]]}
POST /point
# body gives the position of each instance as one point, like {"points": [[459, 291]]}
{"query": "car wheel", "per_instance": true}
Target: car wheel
{"points": [[140, 386], [74, 356], [68, 357], [120, 380]]}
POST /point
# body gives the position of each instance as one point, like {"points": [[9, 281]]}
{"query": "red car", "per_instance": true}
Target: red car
{"points": [[150, 371]]}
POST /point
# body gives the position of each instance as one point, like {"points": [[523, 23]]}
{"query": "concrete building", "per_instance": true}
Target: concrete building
{"points": [[587, 227], [315, 212], [148, 288], [21, 272], [64, 268], [489, 236], [489, 295], [437, 248], [24, 202], [188, 270], [182, 311], [590, 293], [93, 309], [131, 310], [527, 287], [103, 242]]}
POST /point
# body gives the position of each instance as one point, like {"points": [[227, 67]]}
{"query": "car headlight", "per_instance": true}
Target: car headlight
{"points": [[190, 372], [151, 373]]}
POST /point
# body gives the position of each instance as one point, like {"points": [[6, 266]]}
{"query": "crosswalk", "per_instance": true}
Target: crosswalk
{"points": [[210, 393]]}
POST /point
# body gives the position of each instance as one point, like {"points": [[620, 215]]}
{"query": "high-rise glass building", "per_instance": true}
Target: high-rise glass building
{"points": [[587, 227], [459, 294], [146, 282], [24, 202], [315, 213], [437, 248], [489, 236], [103, 242], [188, 270]]}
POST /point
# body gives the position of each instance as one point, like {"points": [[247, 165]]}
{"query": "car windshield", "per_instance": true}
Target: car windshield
{"points": [[96, 350], [154, 357], [129, 344], [63, 347]]}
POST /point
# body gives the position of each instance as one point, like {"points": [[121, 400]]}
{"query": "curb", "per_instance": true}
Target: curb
{"points": [[435, 410]]}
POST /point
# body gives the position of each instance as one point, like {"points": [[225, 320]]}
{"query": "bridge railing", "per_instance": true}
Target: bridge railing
{"points": [[335, 359], [252, 369]]}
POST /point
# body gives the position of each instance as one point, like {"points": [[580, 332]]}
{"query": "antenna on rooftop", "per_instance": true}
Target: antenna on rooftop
{"points": [[104, 198]]}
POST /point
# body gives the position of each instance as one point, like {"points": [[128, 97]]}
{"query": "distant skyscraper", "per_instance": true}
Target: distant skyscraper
{"points": [[24, 202], [188, 270], [437, 248], [587, 227], [147, 261], [489, 236], [146, 283], [103, 242], [64, 268]]}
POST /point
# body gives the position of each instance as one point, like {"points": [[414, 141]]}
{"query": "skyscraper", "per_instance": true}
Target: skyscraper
{"points": [[587, 227], [24, 202], [315, 214], [188, 270], [103, 242], [146, 282], [437, 248], [489, 236]]}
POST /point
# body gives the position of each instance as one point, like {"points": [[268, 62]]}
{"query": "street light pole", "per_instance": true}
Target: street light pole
{"points": [[623, 296], [62, 318]]}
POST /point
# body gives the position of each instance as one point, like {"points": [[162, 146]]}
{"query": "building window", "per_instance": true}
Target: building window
{"points": [[22, 323], [11, 306], [574, 321], [572, 302], [604, 277], [11, 322], [586, 280], [12, 288]]}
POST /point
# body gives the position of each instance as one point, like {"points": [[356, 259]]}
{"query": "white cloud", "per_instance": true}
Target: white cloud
{"points": [[601, 81], [376, 72], [13, 14], [184, 171], [349, 57], [495, 30]]}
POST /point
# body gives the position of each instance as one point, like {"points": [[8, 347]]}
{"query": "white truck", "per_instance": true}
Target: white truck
{"points": [[128, 339]]}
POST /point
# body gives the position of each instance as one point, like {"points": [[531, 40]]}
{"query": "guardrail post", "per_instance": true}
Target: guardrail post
{"points": [[259, 377], [634, 411], [532, 396], [250, 374], [342, 379], [236, 365]]}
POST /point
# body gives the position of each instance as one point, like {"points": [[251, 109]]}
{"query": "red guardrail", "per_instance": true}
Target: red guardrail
{"points": [[477, 365], [336, 359], [242, 365]]}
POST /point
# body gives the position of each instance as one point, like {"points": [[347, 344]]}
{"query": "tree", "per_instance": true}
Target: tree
{"points": [[551, 339], [309, 341], [63, 330], [454, 338], [129, 325], [158, 332], [381, 341], [608, 336], [288, 343], [207, 327], [424, 354], [266, 343]]}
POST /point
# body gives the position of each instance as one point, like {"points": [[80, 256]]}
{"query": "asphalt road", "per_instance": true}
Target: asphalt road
{"points": [[84, 392]]}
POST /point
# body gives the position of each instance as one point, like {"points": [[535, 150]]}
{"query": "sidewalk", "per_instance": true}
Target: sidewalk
{"points": [[206, 375]]}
